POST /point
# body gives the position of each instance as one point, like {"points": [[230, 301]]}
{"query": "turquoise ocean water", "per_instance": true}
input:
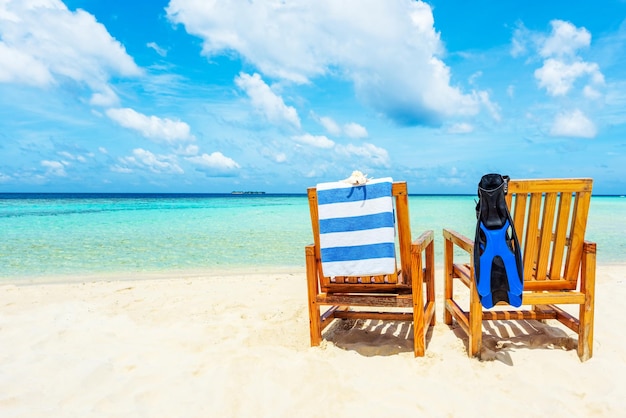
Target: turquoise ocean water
{"points": [[44, 235]]}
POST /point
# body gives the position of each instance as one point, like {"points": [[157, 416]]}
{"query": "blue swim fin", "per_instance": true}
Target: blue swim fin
{"points": [[498, 267]]}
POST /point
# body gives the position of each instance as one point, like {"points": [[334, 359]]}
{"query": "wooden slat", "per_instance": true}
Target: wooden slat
{"points": [[385, 316], [560, 236], [463, 272], [545, 285], [565, 318], [459, 240], [532, 231], [461, 317], [519, 214], [550, 185], [517, 315], [546, 298], [400, 301], [367, 288], [577, 235], [399, 190], [545, 238]]}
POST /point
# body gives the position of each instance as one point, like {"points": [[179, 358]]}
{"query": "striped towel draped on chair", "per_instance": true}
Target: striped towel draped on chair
{"points": [[357, 233]]}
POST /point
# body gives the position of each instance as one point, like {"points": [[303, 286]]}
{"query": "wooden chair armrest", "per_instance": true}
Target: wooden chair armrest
{"points": [[423, 241], [589, 247], [459, 240]]}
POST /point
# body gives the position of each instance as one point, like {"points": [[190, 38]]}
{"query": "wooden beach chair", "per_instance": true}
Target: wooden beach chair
{"points": [[410, 285], [550, 218]]}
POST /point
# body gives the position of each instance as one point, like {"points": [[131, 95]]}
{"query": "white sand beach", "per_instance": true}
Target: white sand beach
{"points": [[237, 345]]}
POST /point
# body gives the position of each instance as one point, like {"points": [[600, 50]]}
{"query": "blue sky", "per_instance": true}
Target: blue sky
{"points": [[192, 96]]}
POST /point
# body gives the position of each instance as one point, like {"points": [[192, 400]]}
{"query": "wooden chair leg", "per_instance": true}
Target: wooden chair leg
{"points": [[417, 283], [448, 280], [315, 325], [475, 322], [586, 313], [430, 277]]}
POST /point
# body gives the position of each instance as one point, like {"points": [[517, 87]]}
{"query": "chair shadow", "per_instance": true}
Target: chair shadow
{"points": [[372, 337], [501, 338]]}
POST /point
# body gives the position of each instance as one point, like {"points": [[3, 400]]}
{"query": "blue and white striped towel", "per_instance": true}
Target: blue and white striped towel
{"points": [[357, 233]]}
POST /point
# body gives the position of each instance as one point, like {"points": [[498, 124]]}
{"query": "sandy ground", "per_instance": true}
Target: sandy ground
{"points": [[237, 345]]}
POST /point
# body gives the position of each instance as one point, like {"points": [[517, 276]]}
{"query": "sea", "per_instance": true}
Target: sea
{"points": [[90, 236]]}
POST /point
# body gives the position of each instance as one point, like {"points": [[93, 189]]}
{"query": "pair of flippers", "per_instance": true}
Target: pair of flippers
{"points": [[498, 267]]}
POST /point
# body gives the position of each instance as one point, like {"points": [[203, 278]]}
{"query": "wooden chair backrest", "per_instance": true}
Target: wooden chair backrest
{"points": [[550, 218], [403, 234]]}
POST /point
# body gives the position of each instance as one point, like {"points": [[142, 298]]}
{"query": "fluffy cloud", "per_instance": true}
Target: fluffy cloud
{"points": [[351, 130], [565, 40], [266, 101], [215, 164], [215, 160], [369, 152], [558, 77], [318, 141], [4, 178], [562, 65], [573, 124], [354, 130], [152, 45], [55, 168], [145, 159], [152, 127], [329, 124], [389, 50], [461, 128], [42, 43]]}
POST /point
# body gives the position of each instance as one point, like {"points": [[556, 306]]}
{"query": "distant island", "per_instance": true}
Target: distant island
{"points": [[242, 192]]}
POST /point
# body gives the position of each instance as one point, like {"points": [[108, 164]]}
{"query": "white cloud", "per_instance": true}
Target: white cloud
{"points": [[120, 169], [215, 160], [73, 157], [354, 130], [4, 178], [389, 50], [189, 149], [106, 97], [351, 130], [492, 108], [145, 159], [558, 77], [591, 93], [510, 91], [55, 168], [371, 153], [319, 141], [152, 45], [43, 43], [564, 40], [330, 125], [266, 101], [562, 64], [153, 127], [573, 124], [461, 128], [17, 66]]}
